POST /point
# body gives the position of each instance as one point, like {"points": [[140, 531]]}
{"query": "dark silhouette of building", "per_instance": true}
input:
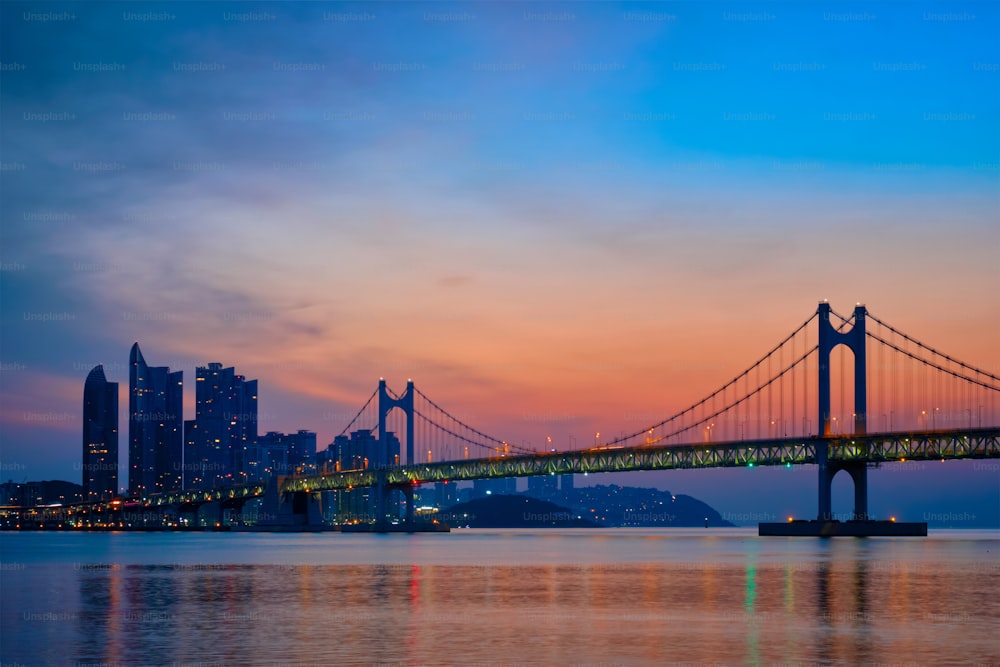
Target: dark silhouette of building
{"points": [[224, 428], [565, 483], [502, 486], [445, 494], [33, 494], [155, 447], [100, 436], [281, 454], [543, 487]]}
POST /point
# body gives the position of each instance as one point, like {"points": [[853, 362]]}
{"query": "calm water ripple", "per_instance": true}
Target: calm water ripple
{"points": [[584, 597]]}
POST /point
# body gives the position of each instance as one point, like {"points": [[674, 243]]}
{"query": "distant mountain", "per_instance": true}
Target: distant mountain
{"points": [[613, 505], [594, 506], [511, 512]]}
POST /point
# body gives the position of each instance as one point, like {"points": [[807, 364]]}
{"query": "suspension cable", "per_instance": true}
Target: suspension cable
{"points": [[457, 420], [934, 351], [348, 427], [469, 440], [738, 401], [934, 365], [694, 406]]}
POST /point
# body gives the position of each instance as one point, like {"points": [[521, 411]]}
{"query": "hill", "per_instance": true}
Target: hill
{"points": [[511, 512]]}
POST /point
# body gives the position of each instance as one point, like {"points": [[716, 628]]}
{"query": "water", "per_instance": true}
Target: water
{"points": [[500, 597]]}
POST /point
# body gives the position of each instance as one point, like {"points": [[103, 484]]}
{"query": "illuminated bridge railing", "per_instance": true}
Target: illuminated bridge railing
{"points": [[206, 496], [959, 444]]}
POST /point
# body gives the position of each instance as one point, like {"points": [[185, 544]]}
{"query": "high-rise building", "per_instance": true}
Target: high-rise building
{"points": [[155, 408], [280, 454], [224, 427], [100, 436], [301, 452]]}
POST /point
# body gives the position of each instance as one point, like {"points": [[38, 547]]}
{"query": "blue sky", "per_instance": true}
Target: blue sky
{"points": [[491, 197]]}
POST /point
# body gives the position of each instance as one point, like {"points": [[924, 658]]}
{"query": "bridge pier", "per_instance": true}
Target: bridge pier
{"points": [[382, 523], [296, 510], [187, 515], [383, 493], [211, 513], [859, 474]]}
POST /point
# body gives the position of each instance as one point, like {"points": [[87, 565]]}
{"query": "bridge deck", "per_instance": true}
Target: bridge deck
{"points": [[936, 445]]}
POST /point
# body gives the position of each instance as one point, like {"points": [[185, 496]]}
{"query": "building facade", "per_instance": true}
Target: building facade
{"points": [[224, 428], [100, 437], [277, 453], [155, 428]]}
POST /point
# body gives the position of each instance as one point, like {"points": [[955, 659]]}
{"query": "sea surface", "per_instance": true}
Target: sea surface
{"points": [[499, 597]]}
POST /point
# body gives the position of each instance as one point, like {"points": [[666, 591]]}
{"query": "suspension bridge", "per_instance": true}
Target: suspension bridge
{"points": [[896, 399]]}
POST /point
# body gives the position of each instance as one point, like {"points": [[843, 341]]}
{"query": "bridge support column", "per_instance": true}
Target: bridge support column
{"points": [[825, 512], [381, 498], [408, 498], [859, 475]]}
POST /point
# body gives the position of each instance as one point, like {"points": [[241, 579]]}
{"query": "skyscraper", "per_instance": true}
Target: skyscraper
{"points": [[100, 436], [277, 453], [224, 427], [155, 447]]}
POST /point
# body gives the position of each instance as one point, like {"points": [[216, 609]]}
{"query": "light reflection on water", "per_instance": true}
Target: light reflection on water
{"points": [[498, 597]]}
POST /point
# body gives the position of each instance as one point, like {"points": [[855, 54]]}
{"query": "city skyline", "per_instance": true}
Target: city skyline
{"points": [[559, 222]]}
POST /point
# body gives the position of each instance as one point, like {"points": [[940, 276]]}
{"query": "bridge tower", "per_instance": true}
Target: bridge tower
{"points": [[829, 338], [386, 404]]}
